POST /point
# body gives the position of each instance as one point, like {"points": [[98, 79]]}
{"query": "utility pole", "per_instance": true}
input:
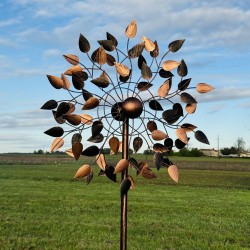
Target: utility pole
{"points": [[218, 145]]}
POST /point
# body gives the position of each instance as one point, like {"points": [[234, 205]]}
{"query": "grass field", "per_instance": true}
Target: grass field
{"points": [[42, 207]]}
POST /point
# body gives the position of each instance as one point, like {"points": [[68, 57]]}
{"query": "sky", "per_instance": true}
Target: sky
{"points": [[34, 34]]}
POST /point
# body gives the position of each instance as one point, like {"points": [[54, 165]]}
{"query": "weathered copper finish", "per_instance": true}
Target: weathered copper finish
{"points": [[132, 107]]}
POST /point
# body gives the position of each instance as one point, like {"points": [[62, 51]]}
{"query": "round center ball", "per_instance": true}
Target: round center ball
{"points": [[132, 107]]}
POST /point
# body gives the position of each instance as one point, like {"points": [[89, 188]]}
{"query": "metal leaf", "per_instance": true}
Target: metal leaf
{"points": [[125, 78], [78, 79], [114, 144], [121, 165], [155, 105], [125, 186], [66, 82], [56, 144], [107, 44], [91, 103], [175, 45], [149, 45], [55, 81], [182, 135], [86, 95], [112, 38], [96, 139], [169, 65], [86, 119], [158, 158], [179, 144], [170, 116], [110, 60], [89, 177], [134, 163], [151, 126], [84, 45], [99, 56], [69, 152], [204, 88], [142, 86], [158, 135], [96, 128], [59, 119], [131, 29], [188, 127], [147, 173], [109, 171], [137, 143], [101, 161], [166, 162], [155, 52], [73, 119], [71, 108], [100, 82], [136, 50], [165, 87], [121, 69], [55, 132], [178, 109], [132, 182], [187, 98], [182, 69], [173, 173], [73, 69], [83, 171], [190, 108], [168, 143], [158, 147], [72, 59], [91, 151], [146, 72], [62, 109], [77, 150], [51, 104], [184, 84], [76, 138], [201, 137], [141, 59], [165, 74]]}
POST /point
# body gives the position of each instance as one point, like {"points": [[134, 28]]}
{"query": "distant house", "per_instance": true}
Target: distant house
{"points": [[211, 152], [245, 154]]}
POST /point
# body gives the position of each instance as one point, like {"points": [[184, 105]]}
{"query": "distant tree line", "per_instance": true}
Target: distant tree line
{"points": [[185, 152]]}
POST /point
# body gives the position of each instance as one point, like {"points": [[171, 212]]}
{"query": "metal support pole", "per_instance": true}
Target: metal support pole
{"points": [[123, 229]]}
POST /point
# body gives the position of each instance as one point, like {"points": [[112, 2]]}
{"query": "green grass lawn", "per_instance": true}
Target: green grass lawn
{"points": [[42, 207]]}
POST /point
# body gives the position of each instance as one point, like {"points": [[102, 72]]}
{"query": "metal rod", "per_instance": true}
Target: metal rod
{"points": [[124, 198]]}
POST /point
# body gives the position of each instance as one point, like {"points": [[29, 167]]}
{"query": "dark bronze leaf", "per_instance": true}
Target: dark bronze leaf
{"points": [[175, 45], [158, 147], [86, 95], [136, 50], [168, 143], [97, 127], [188, 127], [84, 45], [91, 103], [77, 150], [178, 108], [142, 86], [100, 82], [99, 56], [137, 143], [96, 139], [91, 151], [78, 79], [73, 119], [112, 38], [201, 137], [165, 74], [155, 105], [166, 162], [51, 104], [182, 69], [125, 78], [125, 186], [141, 59], [109, 171], [184, 84], [179, 144], [76, 138], [146, 72], [55, 132], [170, 116], [187, 98], [55, 81], [89, 177], [151, 126], [158, 158], [155, 52], [62, 109], [58, 119], [107, 44], [110, 60], [134, 163]]}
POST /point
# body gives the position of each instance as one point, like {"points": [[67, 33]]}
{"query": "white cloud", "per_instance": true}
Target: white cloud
{"points": [[8, 22]]}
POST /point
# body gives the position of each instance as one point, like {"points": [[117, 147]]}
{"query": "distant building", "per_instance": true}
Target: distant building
{"points": [[245, 154], [211, 152]]}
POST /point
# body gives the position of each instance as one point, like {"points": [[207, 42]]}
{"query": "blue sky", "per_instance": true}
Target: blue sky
{"points": [[34, 34]]}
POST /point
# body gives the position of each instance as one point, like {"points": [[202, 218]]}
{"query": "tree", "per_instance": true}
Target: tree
{"points": [[240, 145]]}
